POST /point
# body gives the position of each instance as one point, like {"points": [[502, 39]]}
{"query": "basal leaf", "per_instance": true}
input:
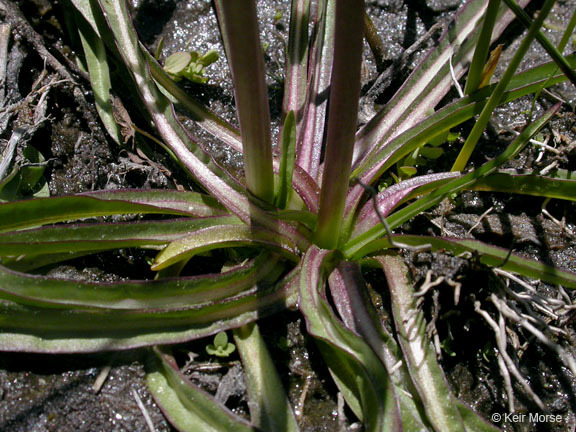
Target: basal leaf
{"points": [[187, 407], [487, 254], [137, 295], [358, 372], [223, 236]]}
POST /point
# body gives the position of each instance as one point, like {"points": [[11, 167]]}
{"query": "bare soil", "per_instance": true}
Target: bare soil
{"points": [[55, 393]]}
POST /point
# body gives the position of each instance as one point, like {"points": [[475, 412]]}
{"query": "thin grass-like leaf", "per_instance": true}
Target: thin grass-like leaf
{"points": [[288, 146], [552, 51], [309, 149], [342, 120], [165, 293], [306, 186], [102, 236], [393, 196], [239, 29], [189, 154], [270, 408], [297, 60], [187, 407], [482, 48], [96, 60], [464, 182], [430, 81], [522, 84], [358, 372], [418, 351], [489, 255], [223, 236], [348, 294], [442, 121], [41, 211], [496, 96], [49, 330], [528, 184]]}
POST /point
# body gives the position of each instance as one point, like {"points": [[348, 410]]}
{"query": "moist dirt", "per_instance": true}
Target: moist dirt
{"points": [[47, 95]]}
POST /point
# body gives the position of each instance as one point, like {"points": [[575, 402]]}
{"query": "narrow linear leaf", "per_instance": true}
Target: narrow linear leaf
{"points": [[524, 83], [394, 195], [358, 372], [356, 310], [528, 184], [442, 121], [309, 149], [270, 408], [552, 51], [474, 79], [306, 187], [463, 182], [187, 407], [429, 82], [288, 146], [200, 165], [296, 71], [494, 99], [489, 255], [138, 295], [96, 59], [43, 211], [102, 236], [221, 237], [419, 354], [48, 330]]}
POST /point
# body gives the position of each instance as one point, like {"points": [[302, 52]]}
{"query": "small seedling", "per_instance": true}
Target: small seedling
{"points": [[221, 347], [190, 65]]}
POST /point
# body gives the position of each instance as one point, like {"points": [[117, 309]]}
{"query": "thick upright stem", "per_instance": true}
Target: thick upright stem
{"points": [[342, 119], [239, 25]]}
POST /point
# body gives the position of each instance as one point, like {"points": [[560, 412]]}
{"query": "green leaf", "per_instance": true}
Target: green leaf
{"points": [[270, 408], [528, 184], [487, 254], [97, 61], [103, 236], [438, 124], [500, 88], [48, 330], [26, 179], [187, 407], [464, 182], [223, 236], [358, 372], [431, 152], [426, 373], [30, 213], [221, 347], [137, 295], [208, 58], [287, 161], [177, 62]]}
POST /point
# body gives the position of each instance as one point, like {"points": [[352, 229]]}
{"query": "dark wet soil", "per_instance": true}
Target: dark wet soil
{"points": [[49, 393]]}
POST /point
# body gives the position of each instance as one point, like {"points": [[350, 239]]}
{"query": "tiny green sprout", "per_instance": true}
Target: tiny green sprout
{"points": [[278, 15], [446, 346], [431, 152], [190, 65], [284, 343], [221, 347]]}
